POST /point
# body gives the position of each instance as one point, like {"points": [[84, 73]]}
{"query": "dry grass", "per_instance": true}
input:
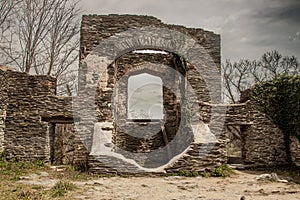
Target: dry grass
{"points": [[11, 171], [66, 186]]}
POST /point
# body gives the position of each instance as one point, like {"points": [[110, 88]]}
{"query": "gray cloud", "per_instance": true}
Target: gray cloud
{"points": [[288, 11], [247, 28]]}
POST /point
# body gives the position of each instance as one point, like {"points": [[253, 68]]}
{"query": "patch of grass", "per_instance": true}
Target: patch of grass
{"points": [[39, 163], [203, 174], [71, 173], [61, 188], [187, 174], [10, 190], [29, 195], [3, 155], [12, 169], [222, 171], [37, 187]]}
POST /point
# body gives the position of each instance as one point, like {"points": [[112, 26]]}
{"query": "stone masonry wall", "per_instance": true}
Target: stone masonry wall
{"points": [[2, 128], [263, 142], [32, 117], [29, 101], [295, 150], [160, 65], [95, 29]]}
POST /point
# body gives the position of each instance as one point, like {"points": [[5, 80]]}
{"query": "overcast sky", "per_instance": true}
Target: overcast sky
{"points": [[248, 28]]}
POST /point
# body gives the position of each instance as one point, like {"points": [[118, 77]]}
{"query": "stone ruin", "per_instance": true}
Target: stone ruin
{"points": [[97, 128]]}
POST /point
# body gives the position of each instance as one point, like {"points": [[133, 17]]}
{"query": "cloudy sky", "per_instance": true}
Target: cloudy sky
{"points": [[248, 28]]}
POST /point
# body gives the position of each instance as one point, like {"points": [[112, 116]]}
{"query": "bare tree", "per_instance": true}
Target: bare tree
{"points": [[239, 76], [7, 8], [45, 38], [236, 78]]}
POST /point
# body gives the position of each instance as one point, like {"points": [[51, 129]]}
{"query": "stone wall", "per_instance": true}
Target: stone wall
{"points": [[129, 135], [295, 150], [29, 103], [2, 128], [96, 28], [94, 31], [262, 141], [192, 136]]}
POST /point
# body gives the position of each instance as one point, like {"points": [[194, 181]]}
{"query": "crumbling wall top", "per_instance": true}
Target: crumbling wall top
{"points": [[96, 28]]}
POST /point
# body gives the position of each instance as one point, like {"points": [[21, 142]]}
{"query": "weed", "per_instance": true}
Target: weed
{"points": [[61, 188], [222, 171], [39, 163], [81, 166], [15, 178], [28, 195], [3, 156], [186, 173], [203, 174]]}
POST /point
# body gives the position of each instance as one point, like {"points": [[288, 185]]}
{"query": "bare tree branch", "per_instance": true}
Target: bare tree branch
{"points": [[239, 76], [44, 39]]}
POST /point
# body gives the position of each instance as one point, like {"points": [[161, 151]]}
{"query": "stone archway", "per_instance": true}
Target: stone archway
{"points": [[96, 66]]}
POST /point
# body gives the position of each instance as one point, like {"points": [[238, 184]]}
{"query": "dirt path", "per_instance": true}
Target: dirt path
{"points": [[169, 188]]}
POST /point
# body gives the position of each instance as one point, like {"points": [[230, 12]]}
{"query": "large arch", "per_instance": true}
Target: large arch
{"points": [[95, 67]]}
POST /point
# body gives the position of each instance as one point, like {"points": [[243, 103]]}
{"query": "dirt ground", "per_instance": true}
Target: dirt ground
{"points": [[243, 184]]}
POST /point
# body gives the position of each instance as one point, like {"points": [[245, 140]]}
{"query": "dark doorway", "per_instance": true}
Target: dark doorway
{"points": [[62, 144], [235, 144]]}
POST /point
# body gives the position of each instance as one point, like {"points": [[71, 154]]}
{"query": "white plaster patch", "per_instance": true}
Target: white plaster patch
{"points": [[97, 66], [102, 145], [202, 133]]}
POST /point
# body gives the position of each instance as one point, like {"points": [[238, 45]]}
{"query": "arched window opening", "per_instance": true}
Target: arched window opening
{"points": [[145, 97]]}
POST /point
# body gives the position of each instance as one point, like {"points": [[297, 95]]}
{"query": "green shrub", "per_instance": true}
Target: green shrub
{"points": [[222, 171]]}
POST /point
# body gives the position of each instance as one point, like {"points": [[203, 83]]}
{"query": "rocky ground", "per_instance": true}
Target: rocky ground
{"points": [[247, 185]]}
